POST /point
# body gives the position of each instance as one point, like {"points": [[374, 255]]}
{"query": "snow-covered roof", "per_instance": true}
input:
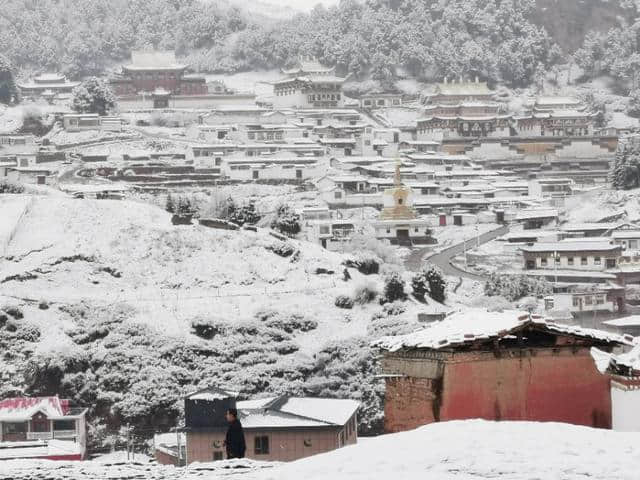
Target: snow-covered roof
{"points": [[625, 234], [621, 120], [573, 245], [557, 101], [588, 226], [329, 410], [281, 412], [464, 88], [20, 409], [143, 60], [536, 213], [628, 321], [212, 393], [472, 325]]}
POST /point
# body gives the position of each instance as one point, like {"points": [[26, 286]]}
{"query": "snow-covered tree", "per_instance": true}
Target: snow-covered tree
{"points": [[93, 96], [287, 221], [8, 90], [393, 287], [429, 281]]}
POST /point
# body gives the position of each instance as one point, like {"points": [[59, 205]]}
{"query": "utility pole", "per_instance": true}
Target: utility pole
{"points": [[128, 440], [464, 248], [179, 447]]}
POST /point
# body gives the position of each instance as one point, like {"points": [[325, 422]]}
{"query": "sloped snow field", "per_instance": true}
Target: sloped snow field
{"points": [[469, 450]]}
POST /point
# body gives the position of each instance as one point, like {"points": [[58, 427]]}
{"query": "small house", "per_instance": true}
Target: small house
{"points": [[42, 427], [277, 428]]}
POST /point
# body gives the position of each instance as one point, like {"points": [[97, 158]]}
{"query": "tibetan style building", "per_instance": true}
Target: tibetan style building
{"points": [[157, 71], [46, 85], [497, 366], [308, 85], [398, 221]]}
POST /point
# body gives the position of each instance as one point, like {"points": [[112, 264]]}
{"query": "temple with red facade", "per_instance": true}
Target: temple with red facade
{"points": [[157, 70], [496, 366]]}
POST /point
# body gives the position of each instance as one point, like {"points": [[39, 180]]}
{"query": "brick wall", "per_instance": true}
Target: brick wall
{"points": [[546, 384], [284, 445]]}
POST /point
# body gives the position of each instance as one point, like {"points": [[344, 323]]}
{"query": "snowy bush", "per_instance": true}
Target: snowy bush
{"points": [[13, 311], [394, 309], [207, 328], [290, 323], [393, 287], [10, 187], [368, 246], [286, 221], [365, 293], [383, 324], [367, 265], [282, 249], [429, 281], [514, 287], [344, 301]]}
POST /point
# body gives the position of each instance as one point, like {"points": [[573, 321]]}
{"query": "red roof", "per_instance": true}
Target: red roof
{"points": [[27, 406]]}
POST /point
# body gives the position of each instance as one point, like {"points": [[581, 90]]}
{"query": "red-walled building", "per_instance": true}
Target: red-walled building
{"points": [[158, 70], [496, 366]]}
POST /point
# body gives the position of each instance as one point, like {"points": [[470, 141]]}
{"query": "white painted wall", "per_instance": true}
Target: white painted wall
{"points": [[625, 415]]}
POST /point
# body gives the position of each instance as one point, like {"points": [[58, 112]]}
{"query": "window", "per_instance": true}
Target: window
{"points": [[261, 445], [64, 425], [599, 299], [217, 456], [588, 300], [388, 230], [543, 262], [416, 229], [218, 160], [576, 301], [337, 195], [570, 261], [256, 174], [20, 427], [557, 259], [597, 260], [583, 260]]}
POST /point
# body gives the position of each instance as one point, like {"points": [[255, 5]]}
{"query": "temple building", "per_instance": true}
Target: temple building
{"points": [[308, 85], [398, 221], [452, 93], [157, 71], [46, 85]]}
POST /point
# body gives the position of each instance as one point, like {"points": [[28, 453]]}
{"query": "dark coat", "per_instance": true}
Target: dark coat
{"points": [[235, 440]]}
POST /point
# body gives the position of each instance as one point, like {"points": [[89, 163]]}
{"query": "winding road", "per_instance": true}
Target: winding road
{"points": [[443, 258]]}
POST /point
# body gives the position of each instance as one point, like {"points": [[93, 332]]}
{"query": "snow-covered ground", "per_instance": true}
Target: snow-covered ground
{"points": [[461, 450], [477, 450], [170, 274]]}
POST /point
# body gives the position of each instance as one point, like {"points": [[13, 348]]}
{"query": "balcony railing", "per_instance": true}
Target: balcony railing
{"points": [[51, 435]]}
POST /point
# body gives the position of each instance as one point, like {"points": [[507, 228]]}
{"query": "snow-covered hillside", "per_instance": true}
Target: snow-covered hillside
{"points": [[111, 289]]}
